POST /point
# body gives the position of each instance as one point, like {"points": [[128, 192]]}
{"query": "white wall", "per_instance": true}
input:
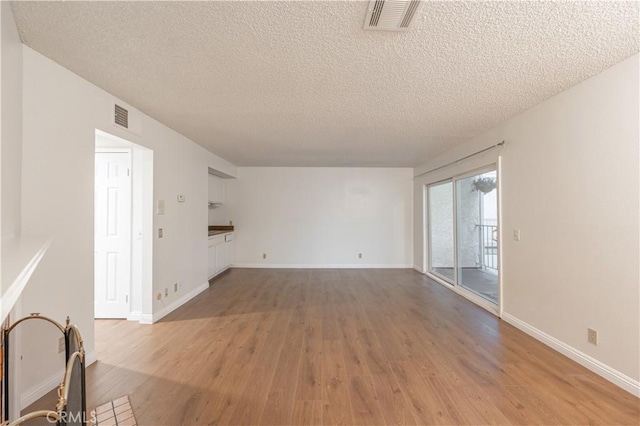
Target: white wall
{"points": [[11, 118], [11, 158], [61, 113], [320, 216], [570, 184]]}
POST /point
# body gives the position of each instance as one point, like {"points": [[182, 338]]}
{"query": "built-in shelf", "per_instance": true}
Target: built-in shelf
{"points": [[20, 257]]}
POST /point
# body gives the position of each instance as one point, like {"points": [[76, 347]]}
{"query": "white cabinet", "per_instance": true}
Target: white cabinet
{"points": [[215, 244], [216, 189], [228, 259], [220, 257], [211, 255], [220, 254]]}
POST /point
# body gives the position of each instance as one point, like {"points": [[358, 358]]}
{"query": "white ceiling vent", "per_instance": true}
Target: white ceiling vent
{"points": [[121, 116], [391, 15]]}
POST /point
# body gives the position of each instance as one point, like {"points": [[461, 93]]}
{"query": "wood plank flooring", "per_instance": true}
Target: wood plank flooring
{"points": [[341, 347]]}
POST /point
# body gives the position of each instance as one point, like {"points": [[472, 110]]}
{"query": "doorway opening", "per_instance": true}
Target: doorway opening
{"points": [[123, 224], [462, 243]]}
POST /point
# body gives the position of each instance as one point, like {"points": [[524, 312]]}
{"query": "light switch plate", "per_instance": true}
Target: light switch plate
{"points": [[160, 207], [181, 198], [160, 233], [516, 235]]}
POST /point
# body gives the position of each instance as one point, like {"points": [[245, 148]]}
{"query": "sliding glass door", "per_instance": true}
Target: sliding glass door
{"points": [[462, 217], [477, 234], [441, 237]]}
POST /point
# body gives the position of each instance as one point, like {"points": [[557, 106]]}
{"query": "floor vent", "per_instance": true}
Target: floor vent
{"points": [[121, 116], [391, 15]]}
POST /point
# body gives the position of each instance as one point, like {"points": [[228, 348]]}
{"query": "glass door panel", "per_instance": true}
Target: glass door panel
{"points": [[477, 234], [441, 233]]}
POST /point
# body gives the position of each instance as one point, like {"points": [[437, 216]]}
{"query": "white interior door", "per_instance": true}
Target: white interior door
{"points": [[112, 234]]}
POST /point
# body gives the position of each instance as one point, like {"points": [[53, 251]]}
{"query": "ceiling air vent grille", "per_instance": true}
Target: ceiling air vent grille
{"points": [[121, 116], [391, 15]]}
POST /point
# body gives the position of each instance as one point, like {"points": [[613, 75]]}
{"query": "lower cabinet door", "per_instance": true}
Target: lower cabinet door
{"points": [[228, 253], [212, 260], [220, 255]]}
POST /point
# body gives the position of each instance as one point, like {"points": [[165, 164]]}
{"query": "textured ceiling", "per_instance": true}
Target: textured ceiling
{"points": [[302, 84]]}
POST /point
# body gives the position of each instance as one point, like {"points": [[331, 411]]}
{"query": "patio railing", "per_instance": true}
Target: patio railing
{"points": [[488, 235]]}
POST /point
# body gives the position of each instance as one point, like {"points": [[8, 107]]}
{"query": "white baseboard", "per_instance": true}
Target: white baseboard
{"points": [[322, 265], [219, 273], [418, 268], [176, 304], [146, 319], [617, 378], [90, 358], [30, 396], [134, 316]]}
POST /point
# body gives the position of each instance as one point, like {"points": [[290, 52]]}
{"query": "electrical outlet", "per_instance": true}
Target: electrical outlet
{"points": [[160, 233], [264, 255], [61, 345], [175, 287], [159, 296], [516, 235], [592, 336], [166, 292], [359, 255]]}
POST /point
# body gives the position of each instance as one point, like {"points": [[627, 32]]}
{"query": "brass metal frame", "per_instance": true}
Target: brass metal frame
{"points": [[63, 390], [76, 331], [49, 415], [7, 328], [36, 315], [71, 358]]}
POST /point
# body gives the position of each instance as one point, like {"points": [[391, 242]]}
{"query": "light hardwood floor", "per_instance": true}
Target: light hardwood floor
{"points": [[363, 347]]}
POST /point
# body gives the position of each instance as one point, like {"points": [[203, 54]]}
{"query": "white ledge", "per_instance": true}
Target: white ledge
{"points": [[20, 257]]}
